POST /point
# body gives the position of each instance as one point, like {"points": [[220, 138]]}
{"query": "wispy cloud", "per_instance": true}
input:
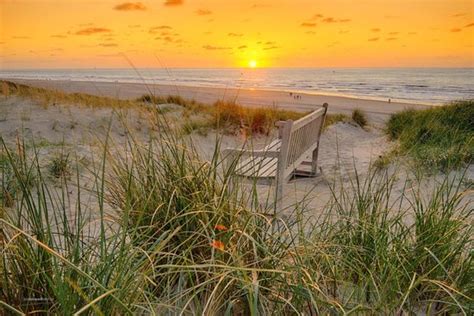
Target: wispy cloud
{"points": [[455, 30], [391, 39], [242, 47], [58, 36], [156, 29], [130, 6], [393, 33], [469, 25], [334, 20], [317, 16], [212, 47], [203, 12], [375, 30], [108, 44], [373, 39], [235, 34], [173, 2], [93, 30], [259, 6], [311, 22]]}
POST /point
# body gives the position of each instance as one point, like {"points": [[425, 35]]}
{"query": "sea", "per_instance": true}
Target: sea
{"points": [[412, 85]]}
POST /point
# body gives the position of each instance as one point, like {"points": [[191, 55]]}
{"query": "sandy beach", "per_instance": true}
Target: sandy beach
{"points": [[257, 98]]}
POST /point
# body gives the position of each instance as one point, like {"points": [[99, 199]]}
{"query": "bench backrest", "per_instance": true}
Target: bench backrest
{"points": [[299, 139]]}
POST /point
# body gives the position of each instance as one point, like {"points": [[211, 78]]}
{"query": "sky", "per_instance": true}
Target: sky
{"points": [[42, 34]]}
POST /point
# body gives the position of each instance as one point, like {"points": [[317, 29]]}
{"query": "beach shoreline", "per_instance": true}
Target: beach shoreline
{"points": [[246, 97]]}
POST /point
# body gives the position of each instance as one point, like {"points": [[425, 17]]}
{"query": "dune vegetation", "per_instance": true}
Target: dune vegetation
{"points": [[153, 228], [440, 137]]}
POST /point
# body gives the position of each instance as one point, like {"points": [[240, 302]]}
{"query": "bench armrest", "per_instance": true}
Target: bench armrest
{"points": [[280, 123]]}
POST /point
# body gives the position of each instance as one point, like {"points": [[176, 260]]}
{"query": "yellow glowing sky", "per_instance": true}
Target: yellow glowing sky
{"points": [[236, 33]]}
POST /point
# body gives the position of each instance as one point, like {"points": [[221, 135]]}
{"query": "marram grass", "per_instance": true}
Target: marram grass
{"points": [[440, 137]]}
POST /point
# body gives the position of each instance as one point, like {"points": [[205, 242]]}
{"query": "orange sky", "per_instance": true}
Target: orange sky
{"points": [[232, 33]]}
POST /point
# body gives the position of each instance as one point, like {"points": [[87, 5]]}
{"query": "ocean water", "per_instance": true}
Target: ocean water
{"points": [[416, 85]]}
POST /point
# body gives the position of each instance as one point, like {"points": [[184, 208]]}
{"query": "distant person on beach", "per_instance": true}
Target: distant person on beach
{"points": [[389, 101]]}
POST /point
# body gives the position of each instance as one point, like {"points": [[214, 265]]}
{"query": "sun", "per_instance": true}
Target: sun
{"points": [[253, 64]]}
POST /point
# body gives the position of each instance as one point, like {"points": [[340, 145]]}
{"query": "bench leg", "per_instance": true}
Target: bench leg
{"points": [[278, 195], [314, 162]]}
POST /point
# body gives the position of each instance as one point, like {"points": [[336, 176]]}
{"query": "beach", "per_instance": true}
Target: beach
{"points": [[377, 110]]}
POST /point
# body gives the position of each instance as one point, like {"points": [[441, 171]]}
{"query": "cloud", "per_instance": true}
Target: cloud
{"points": [[130, 6], [455, 30], [93, 30], [320, 18], [373, 39], [242, 47], [393, 33], [270, 43], [469, 25], [173, 2], [391, 39], [258, 6], [168, 39], [211, 47], [270, 47], [235, 34], [317, 16], [375, 30], [160, 28], [108, 45], [203, 12], [333, 20], [58, 36]]}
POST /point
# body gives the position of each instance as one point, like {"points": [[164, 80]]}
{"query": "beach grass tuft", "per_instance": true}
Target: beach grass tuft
{"points": [[47, 97], [360, 118], [440, 137]]}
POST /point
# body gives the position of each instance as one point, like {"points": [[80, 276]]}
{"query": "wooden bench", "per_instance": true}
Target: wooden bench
{"points": [[297, 142]]}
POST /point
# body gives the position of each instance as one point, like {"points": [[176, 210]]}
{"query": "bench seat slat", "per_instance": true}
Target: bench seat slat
{"points": [[260, 166]]}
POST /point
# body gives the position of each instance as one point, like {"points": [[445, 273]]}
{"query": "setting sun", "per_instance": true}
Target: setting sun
{"points": [[252, 64]]}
